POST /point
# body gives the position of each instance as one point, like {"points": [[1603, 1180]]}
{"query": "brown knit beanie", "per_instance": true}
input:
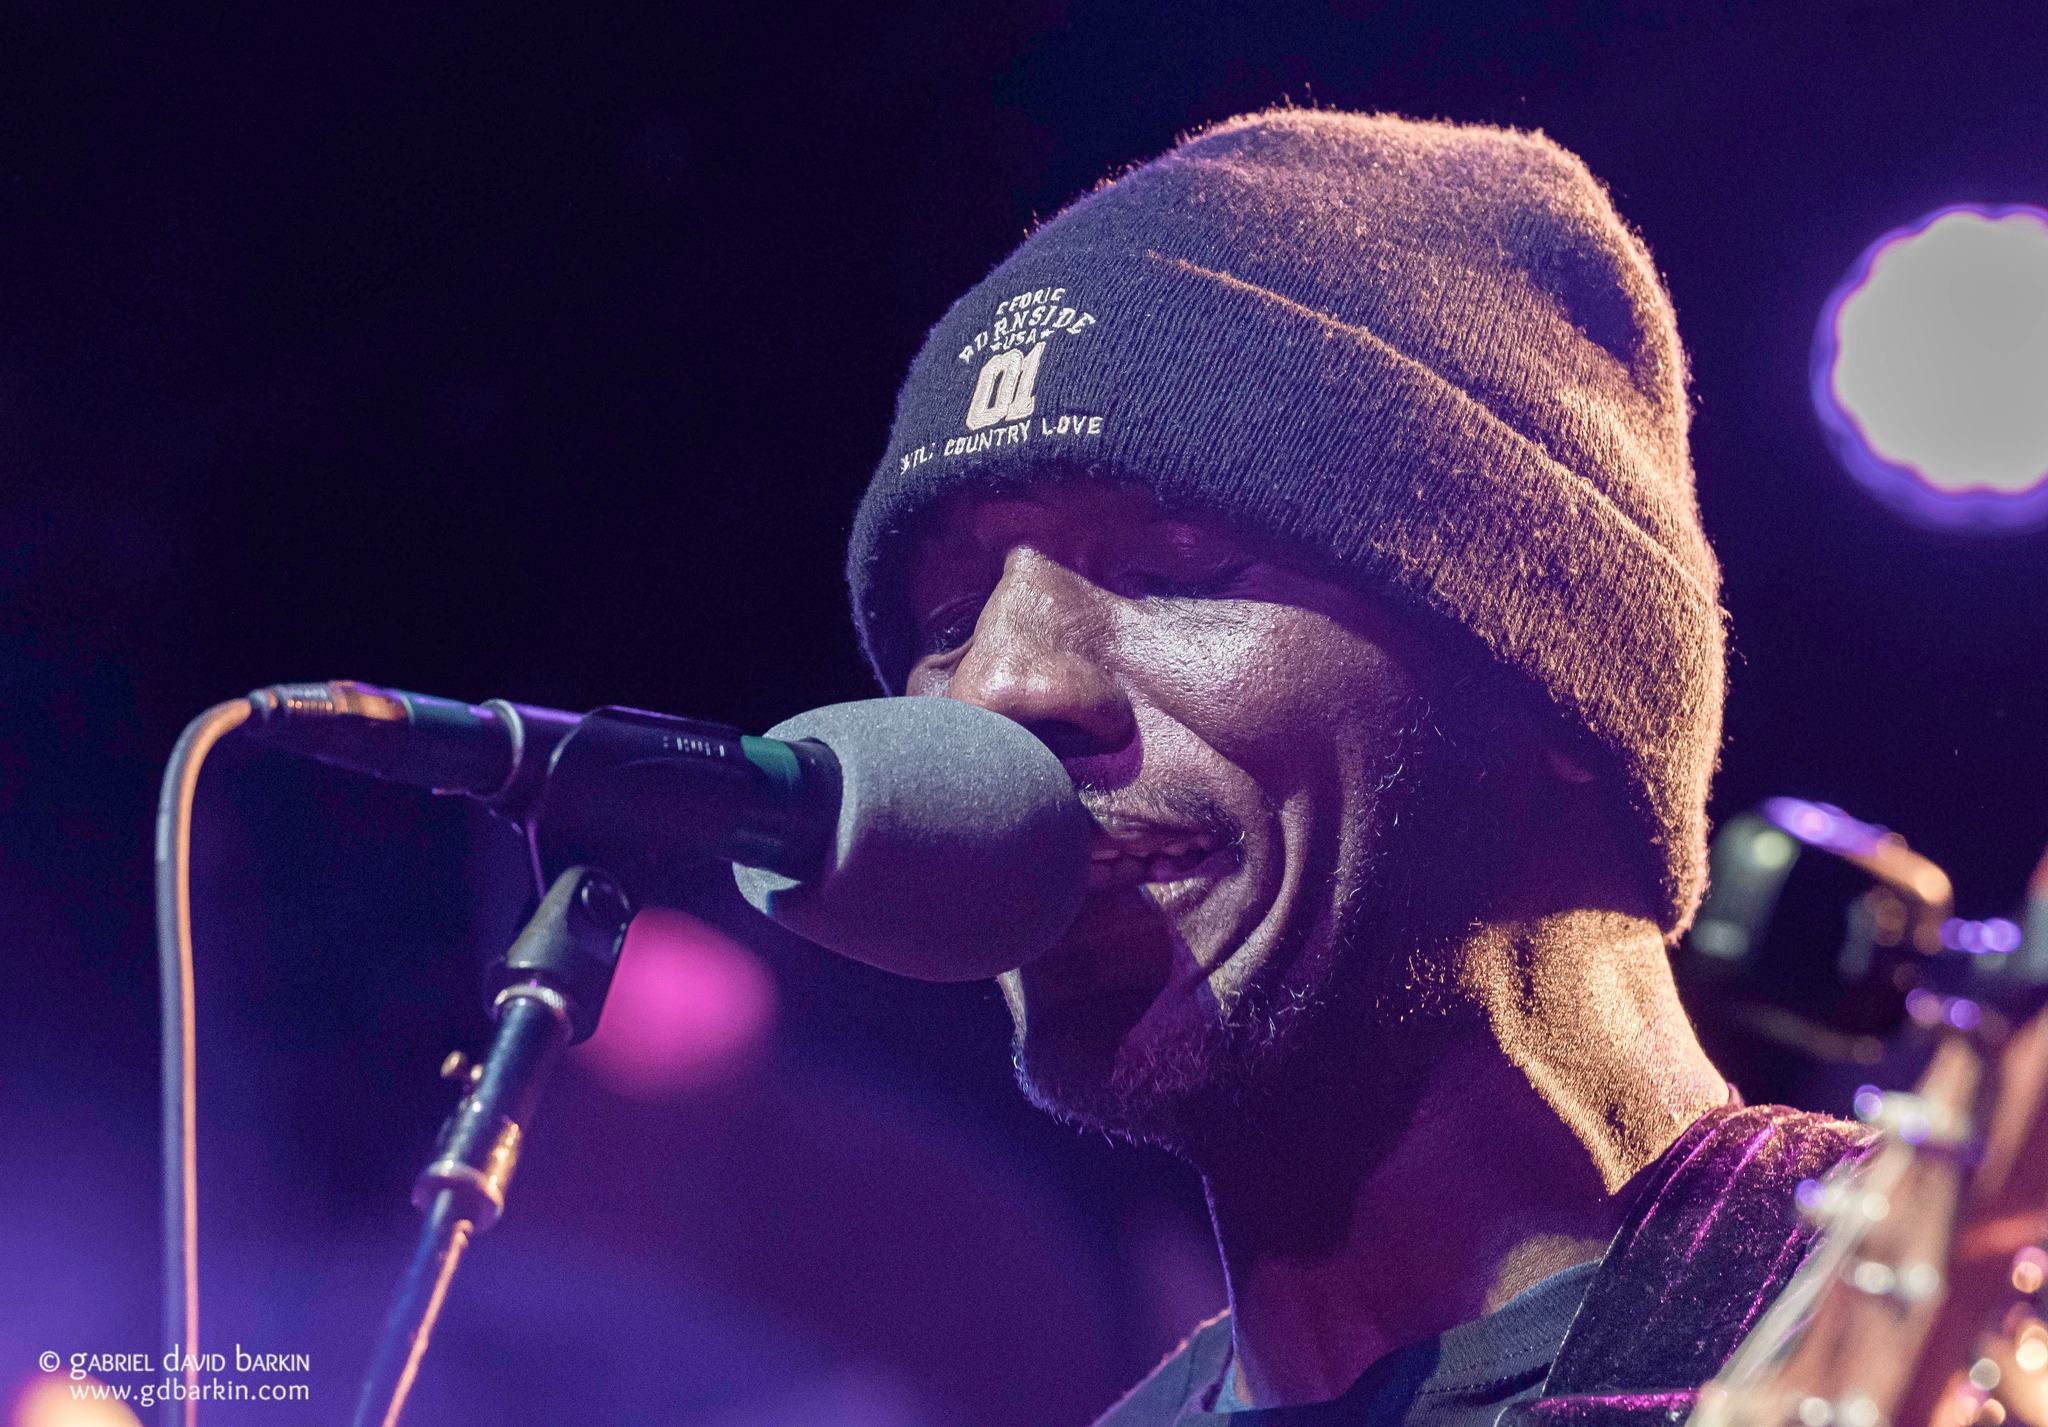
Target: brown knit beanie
{"points": [[1431, 355]]}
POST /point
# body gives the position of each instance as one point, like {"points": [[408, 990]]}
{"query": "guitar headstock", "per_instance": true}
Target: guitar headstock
{"points": [[1924, 1300], [1838, 1347]]}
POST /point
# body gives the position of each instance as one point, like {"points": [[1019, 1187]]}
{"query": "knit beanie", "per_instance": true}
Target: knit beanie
{"points": [[1430, 357]]}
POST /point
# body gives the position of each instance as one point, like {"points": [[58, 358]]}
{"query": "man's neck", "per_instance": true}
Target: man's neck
{"points": [[1502, 1162]]}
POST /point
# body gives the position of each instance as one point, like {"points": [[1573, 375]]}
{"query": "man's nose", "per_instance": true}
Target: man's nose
{"points": [[1038, 657]]}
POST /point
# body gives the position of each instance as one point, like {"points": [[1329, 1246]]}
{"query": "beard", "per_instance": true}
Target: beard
{"points": [[1345, 1002]]}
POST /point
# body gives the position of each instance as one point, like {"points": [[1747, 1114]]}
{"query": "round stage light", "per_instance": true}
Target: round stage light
{"points": [[688, 1006], [1930, 368]]}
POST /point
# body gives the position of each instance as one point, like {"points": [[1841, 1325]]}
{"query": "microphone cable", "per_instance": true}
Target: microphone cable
{"points": [[180, 1038], [982, 852]]}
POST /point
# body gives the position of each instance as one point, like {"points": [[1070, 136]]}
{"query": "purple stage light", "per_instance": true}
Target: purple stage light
{"points": [[687, 1007], [1923, 1006], [1995, 937], [1826, 826], [1930, 368]]}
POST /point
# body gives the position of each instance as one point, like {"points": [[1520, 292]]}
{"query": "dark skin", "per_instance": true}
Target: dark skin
{"points": [[1397, 1133]]}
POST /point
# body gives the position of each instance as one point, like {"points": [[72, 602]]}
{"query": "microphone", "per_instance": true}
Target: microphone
{"points": [[924, 836]]}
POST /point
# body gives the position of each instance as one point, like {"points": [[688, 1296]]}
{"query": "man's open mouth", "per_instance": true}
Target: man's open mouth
{"points": [[1130, 854]]}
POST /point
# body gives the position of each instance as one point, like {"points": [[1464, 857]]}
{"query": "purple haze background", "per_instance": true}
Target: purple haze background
{"points": [[543, 354]]}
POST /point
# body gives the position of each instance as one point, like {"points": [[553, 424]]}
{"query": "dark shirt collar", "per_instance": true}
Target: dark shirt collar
{"points": [[1486, 1361]]}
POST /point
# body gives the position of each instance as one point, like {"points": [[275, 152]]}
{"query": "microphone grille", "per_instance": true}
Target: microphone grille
{"points": [[961, 848]]}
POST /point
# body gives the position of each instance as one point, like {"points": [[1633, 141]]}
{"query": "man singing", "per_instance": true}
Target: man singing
{"points": [[1320, 493]]}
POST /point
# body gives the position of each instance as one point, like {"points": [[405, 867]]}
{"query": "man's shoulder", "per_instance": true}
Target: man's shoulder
{"points": [[1713, 1235], [1181, 1375]]}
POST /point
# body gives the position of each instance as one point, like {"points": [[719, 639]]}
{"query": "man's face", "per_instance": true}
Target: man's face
{"points": [[1235, 724]]}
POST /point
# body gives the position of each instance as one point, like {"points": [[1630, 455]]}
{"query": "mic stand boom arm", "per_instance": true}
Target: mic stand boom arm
{"points": [[550, 989]]}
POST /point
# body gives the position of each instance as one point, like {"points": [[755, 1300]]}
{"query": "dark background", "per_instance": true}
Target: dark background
{"points": [[544, 354]]}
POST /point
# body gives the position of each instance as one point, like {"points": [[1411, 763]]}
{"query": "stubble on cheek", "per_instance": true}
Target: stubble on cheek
{"points": [[1205, 1001], [1315, 722]]}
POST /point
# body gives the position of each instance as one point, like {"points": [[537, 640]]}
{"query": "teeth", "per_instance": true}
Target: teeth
{"points": [[1155, 858]]}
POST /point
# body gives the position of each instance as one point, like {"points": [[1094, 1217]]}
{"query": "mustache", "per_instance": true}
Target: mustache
{"points": [[1165, 805]]}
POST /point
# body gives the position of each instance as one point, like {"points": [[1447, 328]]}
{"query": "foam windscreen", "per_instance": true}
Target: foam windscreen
{"points": [[961, 849]]}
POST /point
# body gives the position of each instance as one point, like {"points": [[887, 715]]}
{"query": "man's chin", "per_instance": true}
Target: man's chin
{"points": [[1168, 1066], [1084, 1065]]}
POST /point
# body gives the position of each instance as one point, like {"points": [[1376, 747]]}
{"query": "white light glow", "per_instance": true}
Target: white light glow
{"points": [[51, 1400], [1941, 353]]}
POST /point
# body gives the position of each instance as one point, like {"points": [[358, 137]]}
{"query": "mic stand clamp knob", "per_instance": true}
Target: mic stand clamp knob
{"points": [[546, 993]]}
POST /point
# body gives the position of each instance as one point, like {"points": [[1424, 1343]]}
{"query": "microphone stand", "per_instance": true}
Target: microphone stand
{"points": [[550, 989]]}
